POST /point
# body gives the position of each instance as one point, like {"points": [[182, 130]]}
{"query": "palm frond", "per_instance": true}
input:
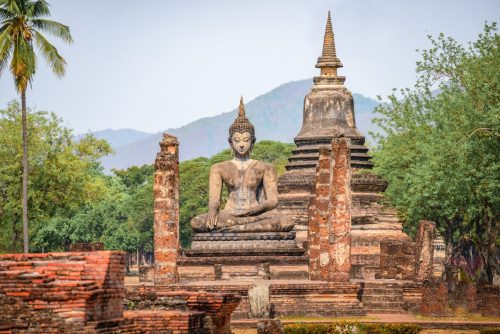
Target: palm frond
{"points": [[55, 28], [6, 47], [38, 8], [49, 52], [5, 13], [13, 6], [23, 63]]}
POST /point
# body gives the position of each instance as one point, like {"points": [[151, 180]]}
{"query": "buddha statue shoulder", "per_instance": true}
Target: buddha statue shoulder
{"points": [[252, 186]]}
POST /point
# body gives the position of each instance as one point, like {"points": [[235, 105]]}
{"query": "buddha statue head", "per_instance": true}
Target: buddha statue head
{"points": [[241, 133]]}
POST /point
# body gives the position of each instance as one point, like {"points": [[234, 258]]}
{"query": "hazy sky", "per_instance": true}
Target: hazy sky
{"points": [[155, 64]]}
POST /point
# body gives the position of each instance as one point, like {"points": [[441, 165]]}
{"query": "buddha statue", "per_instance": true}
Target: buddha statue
{"points": [[252, 186]]}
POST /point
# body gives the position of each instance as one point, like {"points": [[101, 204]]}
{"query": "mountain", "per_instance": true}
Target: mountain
{"points": [[120, 137], [276, 115]]}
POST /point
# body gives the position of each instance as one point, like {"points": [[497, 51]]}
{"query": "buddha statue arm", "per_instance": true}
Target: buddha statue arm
{"points": [[270, 183], [215, 190]]}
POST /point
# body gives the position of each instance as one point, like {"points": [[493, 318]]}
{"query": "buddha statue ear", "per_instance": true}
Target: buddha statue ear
{"points": [[231, 146]]}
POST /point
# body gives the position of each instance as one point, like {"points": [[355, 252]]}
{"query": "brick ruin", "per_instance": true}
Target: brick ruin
{"points": [[350, 256], [84, 292], [350, 248], [329, 236], [166, 211]]}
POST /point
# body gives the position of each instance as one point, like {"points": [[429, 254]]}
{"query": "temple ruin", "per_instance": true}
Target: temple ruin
{"points": [[346, 255]]}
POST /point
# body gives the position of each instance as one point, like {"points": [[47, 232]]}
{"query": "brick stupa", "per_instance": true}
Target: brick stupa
{"points": [[329, 112]]}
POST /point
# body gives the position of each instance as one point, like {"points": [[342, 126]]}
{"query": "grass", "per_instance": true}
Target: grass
{"points": [[328, 319]]}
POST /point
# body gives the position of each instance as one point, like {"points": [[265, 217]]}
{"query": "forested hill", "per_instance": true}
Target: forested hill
{"points": [[276, 115]]}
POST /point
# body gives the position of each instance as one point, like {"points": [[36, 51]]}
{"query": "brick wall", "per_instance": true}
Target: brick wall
{"points": [[83, 292], [434, 299], [397, 260], [78, 287]]}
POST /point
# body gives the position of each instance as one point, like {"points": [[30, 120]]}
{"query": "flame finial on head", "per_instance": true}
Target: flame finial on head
{"points": [[241, 110], [241, 123]]}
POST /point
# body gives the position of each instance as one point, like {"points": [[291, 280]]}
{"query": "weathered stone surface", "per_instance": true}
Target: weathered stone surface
{"points": [[330, 222], [166, 211], [258, 297], [425, 250], [439, 256], [488, 300], [273, 326], [434, 298], [319, 219], [397, 260], [340, 218], [252, 189]]}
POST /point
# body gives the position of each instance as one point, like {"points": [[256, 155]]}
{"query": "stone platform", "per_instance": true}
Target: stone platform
{"points": [[214, 265], [294, 298], [238, 242], [259, 298]]}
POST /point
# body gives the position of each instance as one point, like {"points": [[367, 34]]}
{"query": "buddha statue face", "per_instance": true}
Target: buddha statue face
{"points": [[242, 143]]}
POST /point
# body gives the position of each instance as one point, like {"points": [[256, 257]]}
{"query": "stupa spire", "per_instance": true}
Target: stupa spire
{"points": [[329, 62]]}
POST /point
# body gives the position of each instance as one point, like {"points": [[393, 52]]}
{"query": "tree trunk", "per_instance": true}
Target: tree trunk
{"points": [[25, 172], [449, 238]]}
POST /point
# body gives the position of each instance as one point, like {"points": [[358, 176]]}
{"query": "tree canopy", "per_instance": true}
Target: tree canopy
{"points": [[440, 143], [65, 175]]}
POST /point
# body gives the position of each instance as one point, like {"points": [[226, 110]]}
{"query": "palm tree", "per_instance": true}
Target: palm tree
{"points": [[21, 24]]}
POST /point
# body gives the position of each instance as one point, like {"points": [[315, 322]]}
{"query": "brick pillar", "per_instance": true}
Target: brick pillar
{"points": [[318, 221], [340, 219], [425, 250], [166, 211]]}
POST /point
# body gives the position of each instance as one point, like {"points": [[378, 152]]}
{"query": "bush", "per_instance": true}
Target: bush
{"points": [[489, 331], [352, 328]]}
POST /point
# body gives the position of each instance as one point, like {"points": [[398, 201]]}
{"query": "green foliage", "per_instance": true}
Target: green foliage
{"points": [[64, 174], [122, 219], [439, 152], [22, 24], [489, 331], [352, 328]]}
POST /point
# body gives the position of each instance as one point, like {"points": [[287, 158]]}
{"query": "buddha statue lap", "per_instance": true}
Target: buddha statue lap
{"points": [[252, 186]]}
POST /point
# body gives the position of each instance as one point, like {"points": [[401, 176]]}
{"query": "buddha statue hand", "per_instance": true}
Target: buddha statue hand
{"points": [[248, 212], [212, 218]]}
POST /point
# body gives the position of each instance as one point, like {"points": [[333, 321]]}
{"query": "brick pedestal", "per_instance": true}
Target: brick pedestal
{"points": [[166, 211]]}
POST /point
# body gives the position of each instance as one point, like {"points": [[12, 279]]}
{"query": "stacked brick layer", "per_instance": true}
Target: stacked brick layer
{"points": [[330, 223], [166, 211], [79, 292], [218, 307], [77, 287], [293, 298]]}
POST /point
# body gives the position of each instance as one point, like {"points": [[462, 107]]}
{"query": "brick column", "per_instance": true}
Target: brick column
{"points": [[319, 211], [425, 250], [166, 211], [340, 220]]}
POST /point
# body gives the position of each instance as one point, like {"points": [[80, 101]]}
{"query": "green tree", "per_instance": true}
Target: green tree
{"points": [[64, 174], [440, 143], [22, 22]]}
